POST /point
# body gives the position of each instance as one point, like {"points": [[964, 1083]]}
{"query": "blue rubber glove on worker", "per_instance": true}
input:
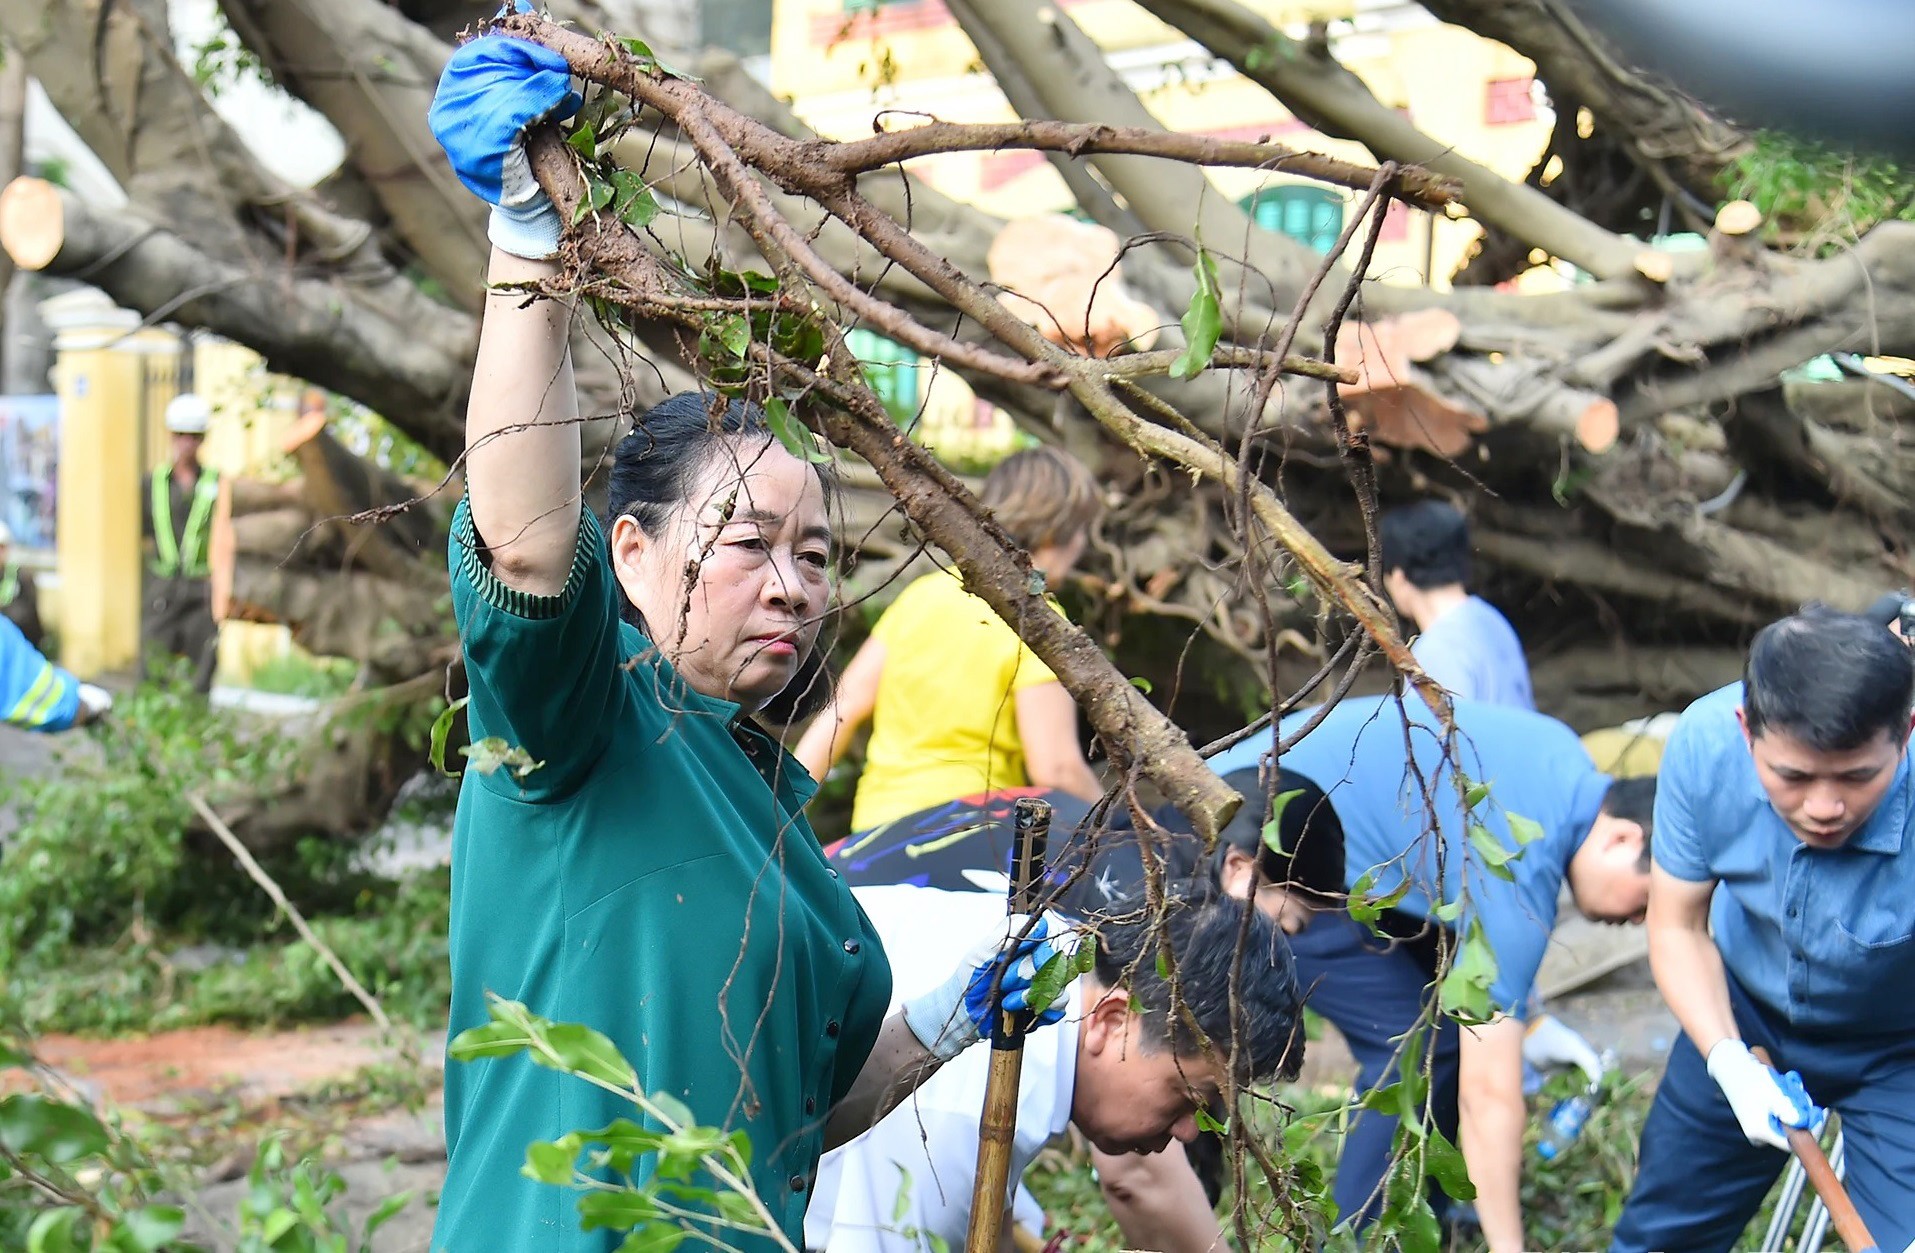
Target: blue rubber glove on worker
{"points": [[492, 89], [1766, 1103], [957, 1013]]}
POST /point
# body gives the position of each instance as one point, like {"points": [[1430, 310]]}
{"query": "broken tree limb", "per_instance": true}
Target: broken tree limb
{"points": [[391, 346], [286, 907], [1134, 733]]}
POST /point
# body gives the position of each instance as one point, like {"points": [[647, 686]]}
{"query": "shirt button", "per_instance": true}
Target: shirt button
{"points": [[811, 1105], [797, 1183], [851, 947], [832, 871], [831, 1029]]}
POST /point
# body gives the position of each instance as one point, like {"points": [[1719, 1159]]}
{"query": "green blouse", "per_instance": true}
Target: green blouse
{"points": [[655, 879]]}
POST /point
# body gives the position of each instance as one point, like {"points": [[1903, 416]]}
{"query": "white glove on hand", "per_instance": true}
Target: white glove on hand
{"points": [[1765, 1103], [95, 700], [957, 1013], [1551, 1043]]}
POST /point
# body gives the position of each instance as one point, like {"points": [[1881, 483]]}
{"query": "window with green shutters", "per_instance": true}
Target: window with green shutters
{"points": [[890, 368], [1306, 213]]}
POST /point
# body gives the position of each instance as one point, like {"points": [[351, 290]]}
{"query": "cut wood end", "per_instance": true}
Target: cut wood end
{"points": [[32, 222], [1599, 426], [1738, 217], [1657, 267]]}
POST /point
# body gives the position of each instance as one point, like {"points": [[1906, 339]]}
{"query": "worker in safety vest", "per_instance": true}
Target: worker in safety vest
{"points": [[19, 595], [38, 695], [179, 504]]}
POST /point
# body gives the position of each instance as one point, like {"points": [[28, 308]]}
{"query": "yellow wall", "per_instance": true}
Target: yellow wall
{"points": [[114, 380], [839, 69]]}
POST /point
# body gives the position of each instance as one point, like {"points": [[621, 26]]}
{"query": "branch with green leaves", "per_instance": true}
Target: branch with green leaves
{"points": [[776, 338], [631, 1177]]}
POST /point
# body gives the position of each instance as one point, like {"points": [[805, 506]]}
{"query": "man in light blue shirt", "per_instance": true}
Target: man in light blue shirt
{"points": [[1462, 641], [1399, 791], [1785, 824]]}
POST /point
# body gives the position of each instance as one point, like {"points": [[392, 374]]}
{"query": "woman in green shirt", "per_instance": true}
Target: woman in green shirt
{"points": [[651, 874]]}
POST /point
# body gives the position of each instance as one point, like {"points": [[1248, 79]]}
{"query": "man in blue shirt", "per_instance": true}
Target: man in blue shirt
{"points": [[1462, 641], [1549, 818], [1784, 823]]}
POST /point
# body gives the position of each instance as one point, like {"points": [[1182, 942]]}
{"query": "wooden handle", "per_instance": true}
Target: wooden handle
{"points": [[1815, 1164], [997, 1124]]}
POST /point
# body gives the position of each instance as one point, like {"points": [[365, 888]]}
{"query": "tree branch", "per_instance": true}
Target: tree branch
{"points": [[1313, 85]]}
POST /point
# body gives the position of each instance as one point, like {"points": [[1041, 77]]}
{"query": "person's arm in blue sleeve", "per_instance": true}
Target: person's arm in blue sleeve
{"points": [[1682, 952]]}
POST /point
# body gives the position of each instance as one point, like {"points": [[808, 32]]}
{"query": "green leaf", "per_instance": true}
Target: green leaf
{"points": [[1273, 829], [584, 140], [693, 1141], [1142, 684], [620, 1210], [52, 1232], [1524, 831], [739, 1142], [1207, 1122], [673, 1108], [1365, 908], [441, 731], [655, 1238], [387, 1211], [632, 201], [1475, 795], [277, 1224], [551, 1161], [638, 48], [582, 1051], [153, 1227], [793, 434], [598, 194], [1050, 981], [1202, 321], [623, 1142], [1444, 1163], [902, 1206], [734, 1207], [52, 1130], [1473, 970], [494, 1039], [1449, 911], [1495, 857], [735, 334]]}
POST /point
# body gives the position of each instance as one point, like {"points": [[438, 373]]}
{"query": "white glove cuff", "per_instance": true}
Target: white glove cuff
{"points": [[938, 1019], [530, 230]]}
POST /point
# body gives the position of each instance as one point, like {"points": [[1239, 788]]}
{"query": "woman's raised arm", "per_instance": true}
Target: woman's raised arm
{"points": [[522, 433], [522, 436]]}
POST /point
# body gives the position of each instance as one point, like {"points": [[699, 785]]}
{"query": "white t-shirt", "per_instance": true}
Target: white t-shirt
{"points": [[910, 1176]]}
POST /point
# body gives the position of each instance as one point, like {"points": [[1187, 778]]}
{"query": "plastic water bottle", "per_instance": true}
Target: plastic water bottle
{"points": [[1566, 1122], [1570, 1116]]}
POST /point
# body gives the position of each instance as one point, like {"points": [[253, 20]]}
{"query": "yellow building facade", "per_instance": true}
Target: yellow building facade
{"points": [[114, 377], [840, 62]]}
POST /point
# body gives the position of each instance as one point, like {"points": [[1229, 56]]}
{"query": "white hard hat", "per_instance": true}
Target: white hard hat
{"points": [[187, 414]]}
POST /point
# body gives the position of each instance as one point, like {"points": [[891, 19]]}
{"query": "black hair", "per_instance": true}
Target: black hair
{"points": [[653, 470], [1203, 927], [1634, 800], [1833, 681], [1308, 834], [1428, 541]]}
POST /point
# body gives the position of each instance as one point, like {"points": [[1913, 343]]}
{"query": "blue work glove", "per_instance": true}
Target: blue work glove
{"points": [[492, 89], [1766, 1104], [957, 1013]]}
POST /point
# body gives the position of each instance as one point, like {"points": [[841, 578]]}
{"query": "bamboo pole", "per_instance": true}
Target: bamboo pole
{"points": [[998, 1125]]}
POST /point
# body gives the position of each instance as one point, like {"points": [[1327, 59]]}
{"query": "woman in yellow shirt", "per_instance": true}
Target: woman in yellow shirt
{"points": [[959, 704]]}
